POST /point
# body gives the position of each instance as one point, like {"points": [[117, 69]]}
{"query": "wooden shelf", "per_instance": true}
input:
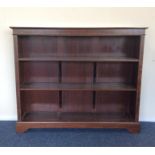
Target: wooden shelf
{"points": [[81, 58], [97, 86], [76, 117]]}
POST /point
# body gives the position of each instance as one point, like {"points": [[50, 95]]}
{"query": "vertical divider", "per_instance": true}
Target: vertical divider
{"points": [[94, 98], [60, 91], [60, 99], [94, 81]]}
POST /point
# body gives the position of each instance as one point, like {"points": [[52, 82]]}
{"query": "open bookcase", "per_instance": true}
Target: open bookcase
{"points": [[78, 77]]}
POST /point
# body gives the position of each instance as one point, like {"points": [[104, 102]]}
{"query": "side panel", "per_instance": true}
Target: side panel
{"points": [[141, 51], [15, 37]]}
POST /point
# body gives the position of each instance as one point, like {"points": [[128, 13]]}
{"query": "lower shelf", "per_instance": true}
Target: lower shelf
{"points": [[76, 117], [77, 120]]}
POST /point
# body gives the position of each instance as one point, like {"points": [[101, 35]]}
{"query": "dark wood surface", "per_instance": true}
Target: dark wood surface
{"points": [[16, 56], [77, 86], [133, 127], [46, 116], [79, 46], [117, 31], [78, 77], [81, 59]]}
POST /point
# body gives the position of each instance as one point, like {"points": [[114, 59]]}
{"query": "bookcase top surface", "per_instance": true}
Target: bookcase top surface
{"points": [[79, 31], [20, 27]]}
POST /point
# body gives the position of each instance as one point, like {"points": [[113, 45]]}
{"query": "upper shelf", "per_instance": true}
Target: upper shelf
{"points": [[81, 58], [67, 86]]}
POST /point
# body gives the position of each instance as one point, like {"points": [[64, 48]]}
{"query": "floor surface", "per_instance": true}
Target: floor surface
{"points": [[76, 137]]}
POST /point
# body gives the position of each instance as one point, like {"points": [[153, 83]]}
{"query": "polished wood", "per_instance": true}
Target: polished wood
{"points": [[78, 31], [82, 86], [78, 77], [40, 101], [45, 116], [79, 47], [133, 127], [77, 101], [16, 52], [141, 48], [123, 73], [82, 59]]}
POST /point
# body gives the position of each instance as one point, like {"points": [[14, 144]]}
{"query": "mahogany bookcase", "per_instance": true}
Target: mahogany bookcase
{"points": [[78, 77]]}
